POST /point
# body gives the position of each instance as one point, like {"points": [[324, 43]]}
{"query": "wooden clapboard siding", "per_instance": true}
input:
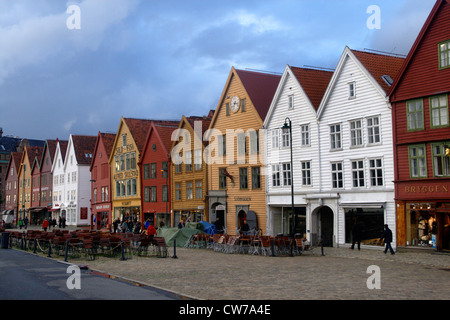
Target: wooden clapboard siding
{"points": [[190, 176], [341, 110], [422, 76], [251, 119]]}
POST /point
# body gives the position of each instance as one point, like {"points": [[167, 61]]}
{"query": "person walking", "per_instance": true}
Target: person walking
{"points": [[45, 225], [387, 236], [356, 235]]}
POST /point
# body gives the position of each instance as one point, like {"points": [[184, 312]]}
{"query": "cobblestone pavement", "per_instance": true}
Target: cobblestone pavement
{"points": [[341, 274]]}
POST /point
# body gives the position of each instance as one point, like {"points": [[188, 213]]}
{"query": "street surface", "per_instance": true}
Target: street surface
{"points": [[25, 276]]}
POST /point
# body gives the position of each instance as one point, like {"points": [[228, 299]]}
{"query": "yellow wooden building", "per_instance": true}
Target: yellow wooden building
{"points": [[236, 170], [189, 174], [125, 173]]}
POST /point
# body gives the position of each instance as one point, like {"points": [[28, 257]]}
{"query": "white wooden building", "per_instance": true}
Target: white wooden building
{"points": [[297, 98], [356, 151], [72, 180], [58, 188]]}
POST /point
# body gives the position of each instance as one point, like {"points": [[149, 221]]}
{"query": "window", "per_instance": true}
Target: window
{"points": [[285, 138], [177, 191], [146, 194], [178, 162], [275, 138], [356, 139], [287, 179], [222, 141], [242, 148], [256, 178], [198, 156], [337, 175], [153, 194], [417, 161], [439, 111], [165, 194], [358, 173], [243, 179], [276, 175], [189, 191], [165, 169], [441, 163], [306, 173], [305, 134], [373, 130], [153, 170], [222, 179], [124, 140], [335, 136], [227, 106], [291, 102], [415, 114], [242, 105], [444, 54], [188, 160], [198, 189], [376, 173], [254, 142], [352, 90]]}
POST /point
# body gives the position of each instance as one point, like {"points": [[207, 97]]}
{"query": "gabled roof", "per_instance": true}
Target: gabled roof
{"points": [[139, 130], [373, 65], [380, 65], [260, 88], [50, 146], [14, 159], [190, 121], [314, 83], [83, 148], [417, 43], [163, 130], [108, 142], [36, 157]]}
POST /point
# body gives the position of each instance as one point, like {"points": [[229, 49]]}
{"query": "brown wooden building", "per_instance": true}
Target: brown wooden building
{"points": [[421, 129], [189, 178]]}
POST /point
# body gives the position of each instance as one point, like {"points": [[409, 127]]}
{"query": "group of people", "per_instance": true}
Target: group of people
{"points": [[136, 227]]}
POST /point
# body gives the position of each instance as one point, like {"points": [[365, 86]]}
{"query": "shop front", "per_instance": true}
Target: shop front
{"points": [[423, 215], [127, 211]]}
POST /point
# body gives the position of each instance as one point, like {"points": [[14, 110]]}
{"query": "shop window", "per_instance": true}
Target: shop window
{"points": [[421, 225], [370, 222]]}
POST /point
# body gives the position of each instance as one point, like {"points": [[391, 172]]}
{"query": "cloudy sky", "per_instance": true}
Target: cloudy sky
{"points": [[78, 71]]}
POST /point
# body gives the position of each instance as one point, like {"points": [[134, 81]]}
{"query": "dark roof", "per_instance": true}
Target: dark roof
{"points": [[9, 144], [84, 148], [139, 130], [314, 82], [261, 88], [108, 141]]}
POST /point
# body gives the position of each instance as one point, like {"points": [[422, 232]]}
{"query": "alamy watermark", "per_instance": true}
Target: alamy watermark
{"points": [[74, 280], [374, 21], [374, 280], [73, 22]]}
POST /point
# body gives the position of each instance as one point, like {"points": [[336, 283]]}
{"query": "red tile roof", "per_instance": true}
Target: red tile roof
{"points": [[314, 82], [108, 141], [379, 65], [261, 88]]}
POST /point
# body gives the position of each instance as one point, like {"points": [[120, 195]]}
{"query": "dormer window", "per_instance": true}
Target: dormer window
{"points": [[444, 54]]}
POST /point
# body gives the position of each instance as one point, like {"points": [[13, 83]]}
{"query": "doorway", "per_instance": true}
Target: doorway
{"points": [[323, 226]]}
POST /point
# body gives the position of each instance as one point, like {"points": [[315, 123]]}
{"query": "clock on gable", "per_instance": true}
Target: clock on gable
{"points": [[235, 104]]}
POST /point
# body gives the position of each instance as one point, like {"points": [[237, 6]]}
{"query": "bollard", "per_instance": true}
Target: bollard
{"points": [[66, 250], [35, 245], [174, 249], [122, 258], [21, 244], [49, 250], [321, 246]]}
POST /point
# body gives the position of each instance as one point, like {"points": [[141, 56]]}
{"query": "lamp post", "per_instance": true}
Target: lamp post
{"points": [[167, 186], [287, 127]]}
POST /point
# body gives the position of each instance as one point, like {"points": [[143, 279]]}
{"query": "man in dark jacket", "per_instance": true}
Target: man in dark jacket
{"points": [[387, 236]]}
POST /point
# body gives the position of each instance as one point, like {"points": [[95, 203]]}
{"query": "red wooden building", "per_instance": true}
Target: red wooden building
{"points": [[155, 173], [12, 185], [46, 176], [421, 130], [101, 203]]}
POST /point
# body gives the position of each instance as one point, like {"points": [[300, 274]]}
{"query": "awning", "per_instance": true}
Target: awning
{"points": [[37, 209], [363, 205]]}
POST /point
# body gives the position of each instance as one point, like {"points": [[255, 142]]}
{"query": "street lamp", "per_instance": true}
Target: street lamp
{"points": [[287, 127], [167, 187]]}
